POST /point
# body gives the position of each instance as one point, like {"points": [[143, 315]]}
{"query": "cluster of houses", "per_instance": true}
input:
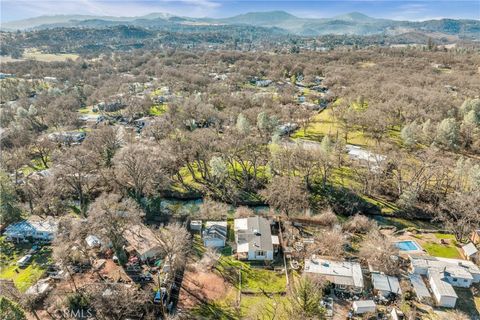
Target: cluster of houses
{"points": [[433, 279], [442, 275], [253, 237]]}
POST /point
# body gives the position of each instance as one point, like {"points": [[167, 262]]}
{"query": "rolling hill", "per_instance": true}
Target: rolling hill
{"points": [[353, 23]]}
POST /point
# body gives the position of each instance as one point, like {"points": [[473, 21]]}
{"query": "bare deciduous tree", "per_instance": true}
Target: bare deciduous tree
{"points": [[380, 252], [286, 194], [110, 215], [461, 213]]}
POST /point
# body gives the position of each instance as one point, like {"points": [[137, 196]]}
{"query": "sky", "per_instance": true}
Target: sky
{"points": [[389, 9]]}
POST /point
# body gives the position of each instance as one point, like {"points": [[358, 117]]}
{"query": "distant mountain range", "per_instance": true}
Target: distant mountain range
{"points": [[354, 23]]}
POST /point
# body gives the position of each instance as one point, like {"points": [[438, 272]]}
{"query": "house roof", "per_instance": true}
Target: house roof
{"points": [[364, 304], [253, 233], [141, 239], [419, 286], [386, 283], [32, 225], [457, 272], [470, 249], [92, 241], [443, 287], [453, 266], [338, 272], [215, 229], [38, 288]]}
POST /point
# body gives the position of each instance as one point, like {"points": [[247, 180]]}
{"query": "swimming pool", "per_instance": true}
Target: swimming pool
{"points": [[408, 245]]}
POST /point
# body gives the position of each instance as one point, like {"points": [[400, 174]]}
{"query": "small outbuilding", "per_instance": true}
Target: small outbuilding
{"points": [[386, 286], [93, 241], [470, 252], [364, 306], [215, 234], [40, 288], [196, 225]]}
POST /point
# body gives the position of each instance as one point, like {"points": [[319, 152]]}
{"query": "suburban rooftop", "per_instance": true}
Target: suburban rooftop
{"points": [[338, 272], [253, 232]]}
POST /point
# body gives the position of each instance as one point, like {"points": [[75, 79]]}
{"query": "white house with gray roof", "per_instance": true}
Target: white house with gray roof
{"points": [[345, 275], [253, 238], [35, 228], [444, 274], [458, 273], [445, 295]]}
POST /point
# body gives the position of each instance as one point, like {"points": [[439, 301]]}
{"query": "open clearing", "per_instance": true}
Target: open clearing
{"points": [[35, 54], [22, 277]]}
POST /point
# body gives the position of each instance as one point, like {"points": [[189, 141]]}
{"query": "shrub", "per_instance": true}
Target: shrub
{"points": [[359, 224]]}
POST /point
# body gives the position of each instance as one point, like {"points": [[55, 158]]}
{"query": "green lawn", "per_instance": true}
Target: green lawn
{"points": [[215, 310], [258, 280], [442, 250], [444, 236], [157, 110], [35, 165], [22, 277], [254, 280], [87, 111], [324, 123], [262, 307]]}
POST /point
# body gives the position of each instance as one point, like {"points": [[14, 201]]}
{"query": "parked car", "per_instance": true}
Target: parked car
{"points": [[327, 303], [60, 275], [132, 268], [160, 296], [24, 261]]}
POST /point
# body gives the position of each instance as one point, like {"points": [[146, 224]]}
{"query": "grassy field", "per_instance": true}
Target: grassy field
{"points": [[35, 54], [324, 123], [22, 277], [385, 206], [259, 280]]}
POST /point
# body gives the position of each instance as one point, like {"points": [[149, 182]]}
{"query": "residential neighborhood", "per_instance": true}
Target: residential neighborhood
{"points": [[258, 160]]}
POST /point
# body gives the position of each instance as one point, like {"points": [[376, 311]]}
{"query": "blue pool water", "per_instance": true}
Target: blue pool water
{"points": [[407, 245]]}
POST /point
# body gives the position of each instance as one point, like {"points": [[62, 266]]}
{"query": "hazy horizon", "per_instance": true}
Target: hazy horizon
{"points": [[397, 10]]}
